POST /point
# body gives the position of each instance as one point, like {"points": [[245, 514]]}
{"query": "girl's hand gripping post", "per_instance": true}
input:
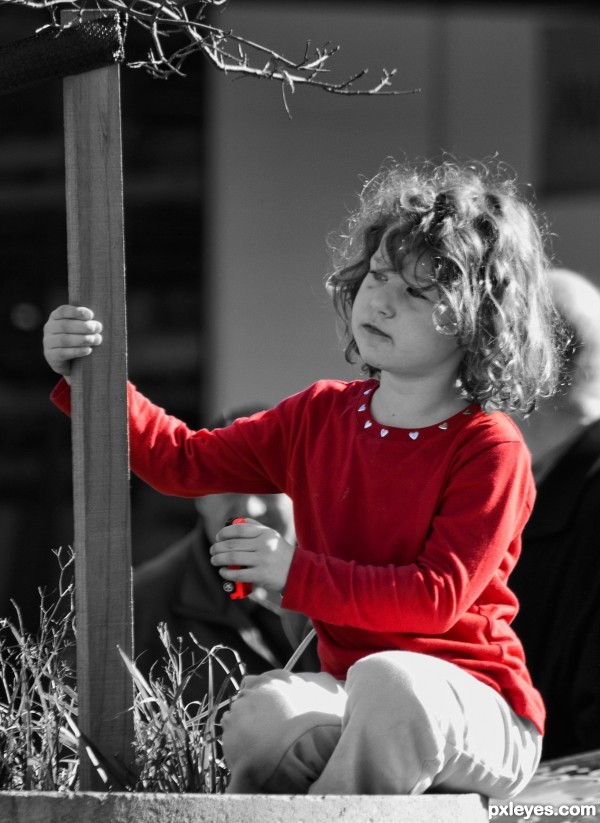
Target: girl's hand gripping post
{"points": [[71, 332]]}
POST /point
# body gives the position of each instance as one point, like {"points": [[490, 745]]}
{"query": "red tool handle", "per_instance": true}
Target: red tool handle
{"points": [[236, 589]]}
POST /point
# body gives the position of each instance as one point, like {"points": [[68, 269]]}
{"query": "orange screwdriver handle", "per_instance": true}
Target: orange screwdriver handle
{"points": [[236, 589]]}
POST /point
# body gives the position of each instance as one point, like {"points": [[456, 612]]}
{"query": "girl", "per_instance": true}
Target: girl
{"points": [[410, 488]]}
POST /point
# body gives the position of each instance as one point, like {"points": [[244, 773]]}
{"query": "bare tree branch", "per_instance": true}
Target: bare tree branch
{"points": [[185, 21]]}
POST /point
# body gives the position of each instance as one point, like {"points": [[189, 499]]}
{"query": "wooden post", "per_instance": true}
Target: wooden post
{"points": [[95, 235]]}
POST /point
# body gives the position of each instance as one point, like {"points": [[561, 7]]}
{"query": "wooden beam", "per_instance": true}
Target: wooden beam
{"points": [[96, 262]]}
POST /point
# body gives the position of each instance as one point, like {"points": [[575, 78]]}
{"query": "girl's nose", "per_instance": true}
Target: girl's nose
{"points": [[383, 303]]}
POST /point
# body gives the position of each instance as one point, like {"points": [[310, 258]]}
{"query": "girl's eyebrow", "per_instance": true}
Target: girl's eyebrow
{"points": [[381, 265], [382, 269]]}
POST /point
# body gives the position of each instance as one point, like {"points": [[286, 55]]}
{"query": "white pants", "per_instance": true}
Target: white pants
{"points": [[402, 723]]}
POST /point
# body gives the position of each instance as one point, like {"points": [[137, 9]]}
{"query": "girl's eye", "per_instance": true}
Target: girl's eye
{"points": [[417, 293], [380, 276]]}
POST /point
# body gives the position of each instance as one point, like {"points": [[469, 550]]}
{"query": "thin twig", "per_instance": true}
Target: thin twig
{"points": [[228, 52]]}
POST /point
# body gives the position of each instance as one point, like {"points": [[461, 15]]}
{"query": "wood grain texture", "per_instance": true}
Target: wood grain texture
{"points": [[96, 262]]}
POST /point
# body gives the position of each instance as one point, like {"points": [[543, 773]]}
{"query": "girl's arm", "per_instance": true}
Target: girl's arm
{"points": [[246, 457], [164, 451], [175, 460], [473, 543], [178, 461]]}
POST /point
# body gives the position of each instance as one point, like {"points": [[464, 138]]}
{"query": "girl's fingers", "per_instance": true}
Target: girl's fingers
{"points": [[249, 528], [75, 327], [238, 546], [71, 320], [71, 341], [67, 312], [242, 574], [245, 559], [71, 354]]}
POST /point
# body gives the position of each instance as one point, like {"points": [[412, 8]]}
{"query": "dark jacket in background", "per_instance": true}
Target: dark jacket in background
{"points": [[557, 581], [181, 588]]}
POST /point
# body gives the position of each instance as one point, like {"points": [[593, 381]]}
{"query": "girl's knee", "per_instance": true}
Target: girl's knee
{"points": [[256, 714], [272, 712], [268, 704], [390, 673], [398, 683]]}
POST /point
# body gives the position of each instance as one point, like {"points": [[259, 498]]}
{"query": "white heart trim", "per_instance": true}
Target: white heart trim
{"points": [[413, 435], [384, 432], [443, 426], [363, 407], [368, 424]]}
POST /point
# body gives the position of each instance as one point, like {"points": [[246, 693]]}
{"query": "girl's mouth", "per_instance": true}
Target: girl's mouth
{"points": [[374, 330]]}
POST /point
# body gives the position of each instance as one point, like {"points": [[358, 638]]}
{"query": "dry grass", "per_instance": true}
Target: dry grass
{"points": [[177, 742], [38, 702]]}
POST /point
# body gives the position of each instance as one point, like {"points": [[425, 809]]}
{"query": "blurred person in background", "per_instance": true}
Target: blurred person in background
{"points": [[557, 578]]}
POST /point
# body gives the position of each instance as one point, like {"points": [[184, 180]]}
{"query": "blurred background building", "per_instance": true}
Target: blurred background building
{"points": [[228, 202]]}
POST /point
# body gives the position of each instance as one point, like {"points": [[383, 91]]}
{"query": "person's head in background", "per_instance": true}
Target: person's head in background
{"points": [[273, 510], [577, 403]]}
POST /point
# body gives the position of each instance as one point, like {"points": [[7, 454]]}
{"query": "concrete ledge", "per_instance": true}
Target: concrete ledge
{"points": [[95, 807]]}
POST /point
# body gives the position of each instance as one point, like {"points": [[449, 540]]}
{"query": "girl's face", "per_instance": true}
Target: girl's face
{"points": [[392, 320]]}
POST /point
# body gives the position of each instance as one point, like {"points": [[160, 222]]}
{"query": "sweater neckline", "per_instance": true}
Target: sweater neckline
{"points": [[415, 435]]}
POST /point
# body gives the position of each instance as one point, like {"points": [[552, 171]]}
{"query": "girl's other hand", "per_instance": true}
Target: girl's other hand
{"points": [[69, 333], [263, 554]]}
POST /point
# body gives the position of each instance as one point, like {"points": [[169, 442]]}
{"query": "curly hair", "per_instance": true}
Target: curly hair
{"points": [[489, 271]]}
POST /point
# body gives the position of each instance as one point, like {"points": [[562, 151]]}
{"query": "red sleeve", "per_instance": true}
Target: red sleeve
{"points": [[246, 457], [61, 396], [473, 543]]}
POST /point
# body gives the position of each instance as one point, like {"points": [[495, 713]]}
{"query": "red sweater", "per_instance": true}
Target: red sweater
{"points": [[406, 538]]}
